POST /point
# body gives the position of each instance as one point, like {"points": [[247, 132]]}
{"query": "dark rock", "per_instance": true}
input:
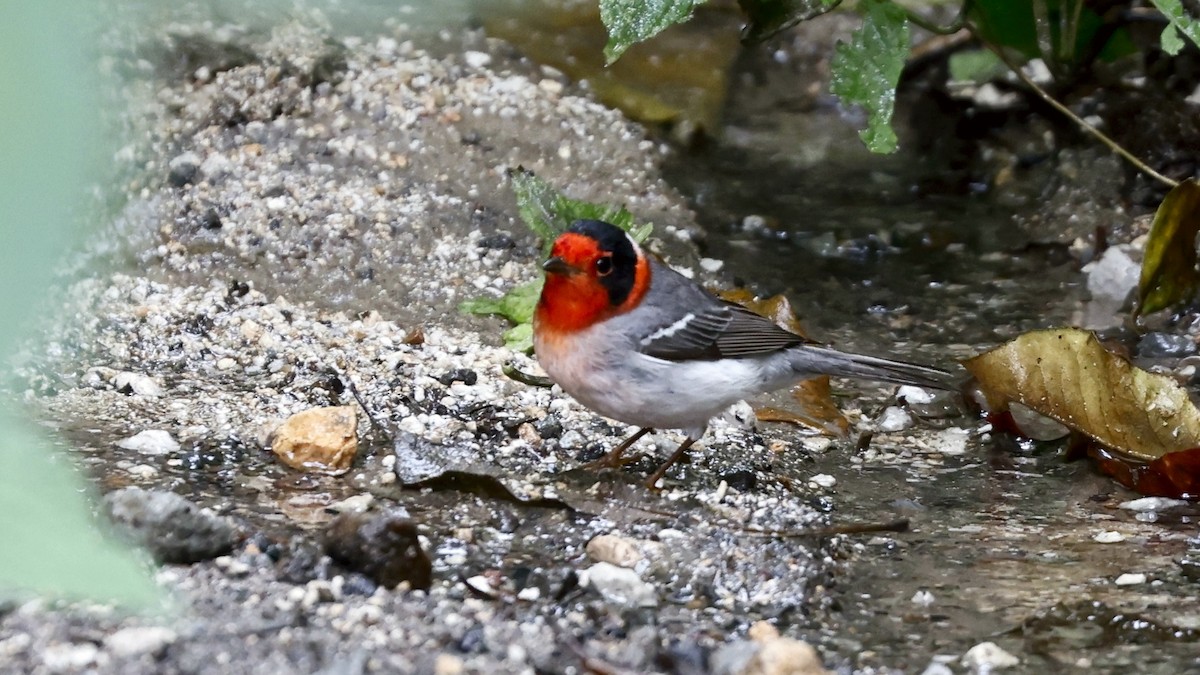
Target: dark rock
{"points": [[1190, 568], [172, 528], [1165, 345], [302, 563], [548, 427], [211, 220], [500, 241], [358, 584], [464, 375], [741, 480], [472, 642], [382, 546], [183, 169]]}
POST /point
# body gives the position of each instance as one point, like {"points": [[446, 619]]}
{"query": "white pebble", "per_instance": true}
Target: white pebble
{"points": [[823, 480], [1152, 504], [477, 59], [1109, 537], [894, 418], [1131, 579], [988, 656], [914, 394], [150, 442], [711, 265], [923, 598]]}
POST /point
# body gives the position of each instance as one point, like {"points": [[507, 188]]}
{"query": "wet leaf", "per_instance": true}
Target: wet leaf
{"points": [[814, 397], [768, 17], [1065, 374], [816, 409], [517, 305], [1175, 474], [1181, 22], [632, 21], [866, 71], [1169, 268], [680, 76]]}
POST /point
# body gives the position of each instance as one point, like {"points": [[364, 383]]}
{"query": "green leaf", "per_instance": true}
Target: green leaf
{"points": [[519, 338], [1171, 40], [1181, 22], [548, 212], [632, 21], [1169, 266], [976, 65], [768, 17], [52, 544], [516, 305], [866, 71]]}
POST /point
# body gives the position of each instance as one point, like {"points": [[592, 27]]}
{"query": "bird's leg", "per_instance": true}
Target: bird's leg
{"points": [[675, 457], [613, 459]]}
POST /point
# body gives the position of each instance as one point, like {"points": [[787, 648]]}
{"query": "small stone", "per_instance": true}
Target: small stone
{"points": [[137, 640], [987, 656], [937, 668], [711, 265], [923, 598], [137, 384], [355, 504], [1152, 504], [1131, 579], [952, 441], [783, 656], [914, 395], [383, 546], [173, 529], [477, 59], [226, 363], [150, 442], [183, 169], [823, 480], [321, 440], [614, 549], [232, 566], [69, 657], [1165, 345], [894, 418], [619, 585], [1113, 277], [447, 664], [1108, 537]]}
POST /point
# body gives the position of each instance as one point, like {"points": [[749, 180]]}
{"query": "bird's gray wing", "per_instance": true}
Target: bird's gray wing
{"points": [[701, 326]]}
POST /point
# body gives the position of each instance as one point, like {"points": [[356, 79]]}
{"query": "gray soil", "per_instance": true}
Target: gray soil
{"points": [[298, 219]]}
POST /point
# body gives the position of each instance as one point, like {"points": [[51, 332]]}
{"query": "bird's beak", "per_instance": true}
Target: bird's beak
{"points": [[557, 265]]}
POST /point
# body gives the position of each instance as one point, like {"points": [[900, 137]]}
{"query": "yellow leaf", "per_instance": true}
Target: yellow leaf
{"points": [[1065, 374], [1169, 268]]}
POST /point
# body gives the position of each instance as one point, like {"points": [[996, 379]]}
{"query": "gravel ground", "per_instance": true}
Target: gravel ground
{"points": [[300, 218]]}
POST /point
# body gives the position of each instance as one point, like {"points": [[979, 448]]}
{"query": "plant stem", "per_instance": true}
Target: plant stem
{"points": [[1100, 135]]}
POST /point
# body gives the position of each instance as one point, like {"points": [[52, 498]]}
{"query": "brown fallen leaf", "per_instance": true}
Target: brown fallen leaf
{"points": [[1175, 474], [1169, 271], [1066, 374], [817, 409]]}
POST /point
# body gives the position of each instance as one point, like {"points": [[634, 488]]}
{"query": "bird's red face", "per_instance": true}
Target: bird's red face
{"points": [[594, 271]]}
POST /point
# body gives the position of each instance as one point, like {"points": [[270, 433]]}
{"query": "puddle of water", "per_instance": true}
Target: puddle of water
{"points": [[1001, 546]]}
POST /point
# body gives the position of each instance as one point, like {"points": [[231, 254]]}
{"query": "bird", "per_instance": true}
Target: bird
{"points": [[634, 340]]}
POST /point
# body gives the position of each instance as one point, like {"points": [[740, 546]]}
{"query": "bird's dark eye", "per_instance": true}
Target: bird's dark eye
{"points": [[604, 266]]}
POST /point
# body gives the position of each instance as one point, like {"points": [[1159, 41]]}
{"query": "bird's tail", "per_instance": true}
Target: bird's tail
{"points": [[814, 360]]}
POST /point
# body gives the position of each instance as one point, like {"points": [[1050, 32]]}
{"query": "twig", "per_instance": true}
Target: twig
{"points": [[358, 397], [1100, 135], [900, 525]]}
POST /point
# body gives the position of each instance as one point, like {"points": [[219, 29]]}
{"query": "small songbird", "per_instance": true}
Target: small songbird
{"points": [[636, 341]]}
